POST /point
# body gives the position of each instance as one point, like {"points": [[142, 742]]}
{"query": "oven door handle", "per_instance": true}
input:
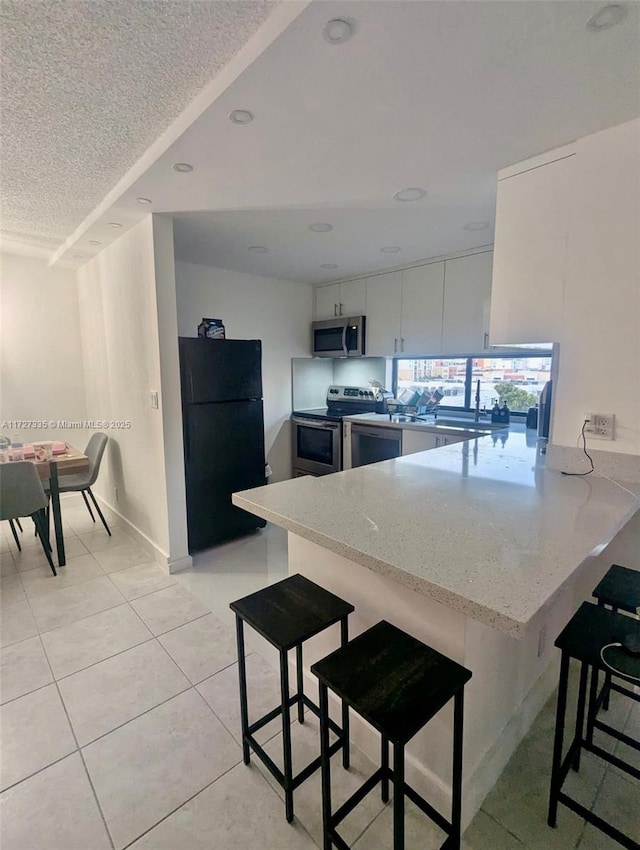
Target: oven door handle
{"points": [[315, 423]]}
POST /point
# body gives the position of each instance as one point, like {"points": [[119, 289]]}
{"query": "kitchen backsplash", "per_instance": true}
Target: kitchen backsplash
{"points": [[310, 377]]}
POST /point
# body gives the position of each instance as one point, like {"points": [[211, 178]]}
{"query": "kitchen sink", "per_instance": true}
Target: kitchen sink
{"points": [[469, 424]]}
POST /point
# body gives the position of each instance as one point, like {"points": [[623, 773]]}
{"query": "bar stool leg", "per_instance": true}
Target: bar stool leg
{"points": [[384, 764], [300, 684], [286, 736], [591, 709], [582, 695], [325, 765], [558, 739], [398, 797], [242, 675], [456, 784], [344, 637]]}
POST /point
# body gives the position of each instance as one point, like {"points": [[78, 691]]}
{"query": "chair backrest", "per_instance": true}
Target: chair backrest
{"points": [[21, 491], [94, 451]]}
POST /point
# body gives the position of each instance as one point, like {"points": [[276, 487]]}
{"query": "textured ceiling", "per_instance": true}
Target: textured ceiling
{"points": [[88, 85]]}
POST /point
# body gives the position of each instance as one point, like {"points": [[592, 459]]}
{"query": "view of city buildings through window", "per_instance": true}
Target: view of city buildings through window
{"points": [[517, 381]]}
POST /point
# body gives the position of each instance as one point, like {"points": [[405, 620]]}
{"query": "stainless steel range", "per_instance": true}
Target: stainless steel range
{"points": [[317, 433]]}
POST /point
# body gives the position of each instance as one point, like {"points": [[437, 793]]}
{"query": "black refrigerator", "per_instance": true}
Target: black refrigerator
{"points": [[223, 428]]}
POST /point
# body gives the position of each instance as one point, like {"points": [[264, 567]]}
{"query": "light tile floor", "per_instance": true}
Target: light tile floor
{"points": [[120, 723]]}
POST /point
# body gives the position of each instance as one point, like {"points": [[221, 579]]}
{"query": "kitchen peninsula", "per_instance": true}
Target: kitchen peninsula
{"points": [[476, 549]]}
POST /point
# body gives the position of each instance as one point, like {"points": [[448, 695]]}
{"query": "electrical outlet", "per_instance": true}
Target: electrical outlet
{"points": [[154, 399], [601, 425]]}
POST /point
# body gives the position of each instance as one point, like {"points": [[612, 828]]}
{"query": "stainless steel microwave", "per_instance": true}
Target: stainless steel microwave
{"points": [[343, 337]]}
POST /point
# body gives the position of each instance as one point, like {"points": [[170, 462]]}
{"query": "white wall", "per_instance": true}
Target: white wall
{"points": [[600, 352], [41, 369], [120, 340], [279, 312]]}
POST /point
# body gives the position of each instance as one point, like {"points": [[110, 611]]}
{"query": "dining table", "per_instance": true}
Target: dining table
{"points": [[70, 462]]}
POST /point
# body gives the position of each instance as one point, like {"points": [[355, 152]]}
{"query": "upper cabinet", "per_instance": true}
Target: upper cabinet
{"points": [[422, 298], [467, 297], [341, 299], [530, 250], [384, 314], [404, 311]]}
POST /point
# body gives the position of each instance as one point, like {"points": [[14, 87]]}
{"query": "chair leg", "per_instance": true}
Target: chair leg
{"points": [[84, 496], [42, 533], [15, 534], [97, 507], [18, 523]]}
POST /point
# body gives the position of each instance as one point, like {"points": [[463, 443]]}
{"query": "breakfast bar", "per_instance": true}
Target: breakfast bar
{"points": [[476, 549]]}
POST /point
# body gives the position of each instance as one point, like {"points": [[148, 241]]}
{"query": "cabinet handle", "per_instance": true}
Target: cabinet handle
{"points": [[401, 343], [341, 306], [395, 345], [486, 339], [335, 310]]}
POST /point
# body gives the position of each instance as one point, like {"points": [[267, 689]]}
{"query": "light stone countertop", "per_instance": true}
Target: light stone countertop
{"points": [[480, 526], [430, 424]]}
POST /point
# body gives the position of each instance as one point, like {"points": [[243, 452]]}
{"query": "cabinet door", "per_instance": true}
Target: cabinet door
{"points": [[532, 221], [327, 301], [353, 298], [418, 441], [467, 288], [422, 296], [384, 305]]}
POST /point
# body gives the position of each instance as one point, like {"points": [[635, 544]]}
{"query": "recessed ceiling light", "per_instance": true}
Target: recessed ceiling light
{"points": [[390, 249], [607, 17], [321, 227], [115, 224], [328, 266], [143, 200], [94, 242], [241, 116], [258, 249], [477, 225], [337, 31], [412, 194], [183, 167]]}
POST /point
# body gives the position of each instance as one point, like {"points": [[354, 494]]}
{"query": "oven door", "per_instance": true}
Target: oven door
{"points": [[339, 337], [372, 444], [317, 446]]}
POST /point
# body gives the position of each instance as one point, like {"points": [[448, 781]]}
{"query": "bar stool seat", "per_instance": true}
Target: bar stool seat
{"points": [[286, 614], [397, 684], [620, 589], [590, 629]]}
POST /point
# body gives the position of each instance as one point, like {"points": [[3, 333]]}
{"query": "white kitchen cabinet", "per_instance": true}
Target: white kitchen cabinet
{"points": [[530, 251], [384, 314], [422, 299], [327, 301], [404, 311], [341, 299], [467, 294], [418, 441]]}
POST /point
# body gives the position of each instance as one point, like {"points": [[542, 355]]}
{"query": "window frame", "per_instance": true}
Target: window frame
{"points": [[468, 377]]}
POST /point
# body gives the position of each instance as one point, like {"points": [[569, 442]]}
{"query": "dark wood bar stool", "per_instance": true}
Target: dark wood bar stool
{"points": [[397, 684], [591, 629], [287, 614], [620, 590]]}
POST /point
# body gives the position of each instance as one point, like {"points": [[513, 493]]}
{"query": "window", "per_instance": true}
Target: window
{"points": [[516, 379]]}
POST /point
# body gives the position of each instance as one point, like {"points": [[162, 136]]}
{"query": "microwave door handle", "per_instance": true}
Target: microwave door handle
{"points": [[344, 339]]}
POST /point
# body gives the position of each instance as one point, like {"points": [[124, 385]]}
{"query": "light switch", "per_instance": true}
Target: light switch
{"points": [[154, 399]]}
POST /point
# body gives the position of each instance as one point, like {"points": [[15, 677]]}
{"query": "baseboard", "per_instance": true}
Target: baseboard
{"points": [[159, 555]]}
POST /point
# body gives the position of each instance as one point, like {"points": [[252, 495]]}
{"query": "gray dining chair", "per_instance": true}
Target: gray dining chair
{"points": [[6, 442], [21, 495], [81, 483]]}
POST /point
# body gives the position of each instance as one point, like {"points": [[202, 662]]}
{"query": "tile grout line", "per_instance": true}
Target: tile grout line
{"points": [[79, 751]]}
